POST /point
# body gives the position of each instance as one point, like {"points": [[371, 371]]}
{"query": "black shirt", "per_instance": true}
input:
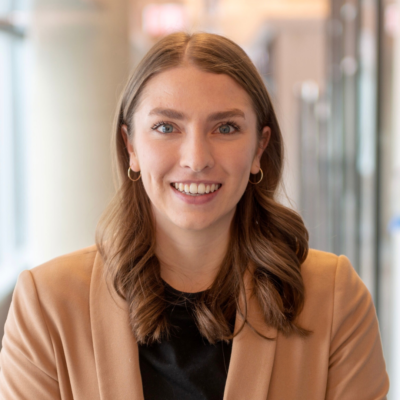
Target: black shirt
{"points": [[187, 366]]}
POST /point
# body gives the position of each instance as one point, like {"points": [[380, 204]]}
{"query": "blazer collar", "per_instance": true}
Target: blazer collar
{"points": [[115, 349], [117, 355], [252, 356]]}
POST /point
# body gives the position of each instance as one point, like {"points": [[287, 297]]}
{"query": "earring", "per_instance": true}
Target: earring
{"points": [[256, 183], [129, 175]]}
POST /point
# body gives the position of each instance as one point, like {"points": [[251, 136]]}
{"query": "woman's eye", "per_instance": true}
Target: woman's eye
{"points": [[163, 128], [167, 128], [228, 128], [225, 129]]}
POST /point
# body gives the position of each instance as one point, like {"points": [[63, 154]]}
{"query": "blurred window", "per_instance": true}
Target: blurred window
{"points": [[13, 53], [161, 19]]}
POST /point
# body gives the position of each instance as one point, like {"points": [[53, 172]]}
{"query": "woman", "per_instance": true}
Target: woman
{"points": [[201, 285]]}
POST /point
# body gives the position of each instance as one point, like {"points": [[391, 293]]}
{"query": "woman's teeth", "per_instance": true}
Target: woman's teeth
{"points": [[195, 190]]}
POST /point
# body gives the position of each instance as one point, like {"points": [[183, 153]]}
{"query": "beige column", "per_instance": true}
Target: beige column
{"points": [[79, 63]]}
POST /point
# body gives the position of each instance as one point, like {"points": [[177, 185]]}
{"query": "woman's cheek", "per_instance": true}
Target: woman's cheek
{"points": [[158, 162]]}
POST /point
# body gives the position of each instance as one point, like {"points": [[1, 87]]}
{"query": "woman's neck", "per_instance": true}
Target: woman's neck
{"points": [[190, 259]]}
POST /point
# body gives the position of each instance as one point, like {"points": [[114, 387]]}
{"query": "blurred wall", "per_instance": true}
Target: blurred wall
{"points": [[80, 62], [299, 56]]}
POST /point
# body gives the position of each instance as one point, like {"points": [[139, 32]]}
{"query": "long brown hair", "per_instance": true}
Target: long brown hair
{"points": [[265, 234]]}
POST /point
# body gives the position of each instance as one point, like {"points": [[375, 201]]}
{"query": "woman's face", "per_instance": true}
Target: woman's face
{"points": [[193, 132]]}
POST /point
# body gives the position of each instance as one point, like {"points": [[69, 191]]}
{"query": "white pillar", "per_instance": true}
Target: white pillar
{"points": [[79, 64]]}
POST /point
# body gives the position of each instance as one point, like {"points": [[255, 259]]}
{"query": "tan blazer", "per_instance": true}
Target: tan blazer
{"points": [[67, 337]]}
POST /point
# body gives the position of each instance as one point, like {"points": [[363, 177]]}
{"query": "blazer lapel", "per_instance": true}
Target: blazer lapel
{"points": [[252, 356], [117, 355], [115, 348]]}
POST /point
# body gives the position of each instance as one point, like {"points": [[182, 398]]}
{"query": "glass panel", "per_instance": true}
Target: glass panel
{"points": [[13, 89], [7, 233]]}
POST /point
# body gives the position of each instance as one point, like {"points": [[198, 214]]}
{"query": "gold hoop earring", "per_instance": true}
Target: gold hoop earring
{"points": [[256, 183], [129, 175]]}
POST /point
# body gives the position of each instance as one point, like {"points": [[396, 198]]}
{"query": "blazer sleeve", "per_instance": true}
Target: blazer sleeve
{"points": [[27, 362], [357, 368]]}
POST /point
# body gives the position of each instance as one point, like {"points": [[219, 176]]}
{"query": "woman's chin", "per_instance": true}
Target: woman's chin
{"points": [[193, 225], [202, 222]]}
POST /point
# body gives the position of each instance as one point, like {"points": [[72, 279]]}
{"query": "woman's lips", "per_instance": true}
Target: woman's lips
{"points": [[196, 188], [191, 198]]}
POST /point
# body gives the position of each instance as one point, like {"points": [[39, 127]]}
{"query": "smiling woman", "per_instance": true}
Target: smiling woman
{"points": [[197, 147], [201, 285]]}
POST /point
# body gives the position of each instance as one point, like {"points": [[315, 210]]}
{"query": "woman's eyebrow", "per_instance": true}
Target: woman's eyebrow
{"points": [[235, 112], [170, 113]]}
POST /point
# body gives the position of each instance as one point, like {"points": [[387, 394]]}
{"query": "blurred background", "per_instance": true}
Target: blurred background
{"points": [[331, 67]]}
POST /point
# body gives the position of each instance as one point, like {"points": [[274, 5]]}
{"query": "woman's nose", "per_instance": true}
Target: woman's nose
{"points": [[196, 151]]}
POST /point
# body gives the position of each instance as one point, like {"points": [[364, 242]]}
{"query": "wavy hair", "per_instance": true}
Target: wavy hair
{"points": [[265, 234]]}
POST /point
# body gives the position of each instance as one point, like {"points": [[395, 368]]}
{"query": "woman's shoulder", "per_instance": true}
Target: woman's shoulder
{"points": [[64, 278], [50, 309], [323, 271], [68, 266], [339, 307], [333, 288], [68, 269], [320, 260], [324, 267]]}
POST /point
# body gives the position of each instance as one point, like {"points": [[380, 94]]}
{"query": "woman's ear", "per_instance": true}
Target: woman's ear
{"points": [[133, 161], [262, 145]]}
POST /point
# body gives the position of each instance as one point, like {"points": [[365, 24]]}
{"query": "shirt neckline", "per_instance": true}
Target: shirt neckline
{"points": [[179, 294]]}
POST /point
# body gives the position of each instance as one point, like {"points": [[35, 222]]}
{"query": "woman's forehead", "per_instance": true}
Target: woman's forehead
{"points": [[191, 87]]}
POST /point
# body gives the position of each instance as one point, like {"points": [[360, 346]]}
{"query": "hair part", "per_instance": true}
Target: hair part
{"points": [[265, 234]]}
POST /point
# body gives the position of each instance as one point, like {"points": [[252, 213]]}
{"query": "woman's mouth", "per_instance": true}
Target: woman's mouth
{"points": [[195, 189]]}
